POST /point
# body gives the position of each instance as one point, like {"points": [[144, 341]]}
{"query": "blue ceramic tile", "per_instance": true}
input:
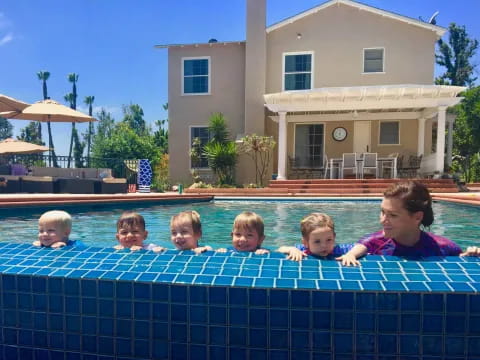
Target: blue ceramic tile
{"points": [[456, 302], [285, 283], [432, 323], [417, 286], [223, 280], [410, 302], [343, 300], [264, 282], [372, 285], [439, 286], [279, 298], [328, 285], [243, 281]]}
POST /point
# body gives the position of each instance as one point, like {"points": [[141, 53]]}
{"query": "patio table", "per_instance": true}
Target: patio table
{"points": [[392, 161]]}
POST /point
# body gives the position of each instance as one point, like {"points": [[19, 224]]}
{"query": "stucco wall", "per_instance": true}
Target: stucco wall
{"points": [[227, 95], [337, 35]]}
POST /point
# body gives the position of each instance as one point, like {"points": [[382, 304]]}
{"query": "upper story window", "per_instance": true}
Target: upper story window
{"points": [[297, 71], [389, 133], [373, 60], [196, 76]]}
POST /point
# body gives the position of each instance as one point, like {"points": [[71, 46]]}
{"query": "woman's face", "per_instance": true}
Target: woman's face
{"points": [[397, 222]]}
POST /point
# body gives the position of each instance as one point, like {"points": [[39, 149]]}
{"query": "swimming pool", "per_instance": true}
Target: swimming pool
{"points": [[96, 225]]}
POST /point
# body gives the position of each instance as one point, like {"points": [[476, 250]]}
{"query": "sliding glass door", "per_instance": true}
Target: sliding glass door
{"points": [[309, 145]]}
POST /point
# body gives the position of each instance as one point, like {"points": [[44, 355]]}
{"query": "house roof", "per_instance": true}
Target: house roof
{"points": [[207, 44], [438, 29], [364, 98]]}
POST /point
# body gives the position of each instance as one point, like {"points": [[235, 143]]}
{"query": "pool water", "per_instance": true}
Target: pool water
{"points": [[96, 226]]}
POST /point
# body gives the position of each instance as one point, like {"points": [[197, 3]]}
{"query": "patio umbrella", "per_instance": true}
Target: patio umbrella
{"points": [[48, 110], [12, 146], [10, 104]]}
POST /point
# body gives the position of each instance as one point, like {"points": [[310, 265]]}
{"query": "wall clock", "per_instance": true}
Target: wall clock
{"points": [[339, 133]]}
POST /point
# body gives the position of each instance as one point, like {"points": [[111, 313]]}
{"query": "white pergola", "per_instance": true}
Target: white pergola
{"points": [[383, 102]]}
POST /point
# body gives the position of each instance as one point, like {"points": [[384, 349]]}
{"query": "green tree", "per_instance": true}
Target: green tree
{"points": [[221, 153], [43, 76], [260, 150], [161, 135], [466, 143], [455, 56], [89, 102], [30, 134], [6, 129], [133, 117]]}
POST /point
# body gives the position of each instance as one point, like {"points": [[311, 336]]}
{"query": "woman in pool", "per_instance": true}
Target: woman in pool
{"points": [[404, 208]]}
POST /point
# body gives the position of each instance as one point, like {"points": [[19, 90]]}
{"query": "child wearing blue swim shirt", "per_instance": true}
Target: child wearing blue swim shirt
{"points": [[247, 234], [54, 228], [318, 239]]}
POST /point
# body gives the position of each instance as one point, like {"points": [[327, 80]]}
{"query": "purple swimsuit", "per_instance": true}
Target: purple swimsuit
{"points": [[428, 245]]}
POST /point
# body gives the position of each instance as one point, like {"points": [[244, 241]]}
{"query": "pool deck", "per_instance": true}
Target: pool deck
{"points": [[16, 200]]}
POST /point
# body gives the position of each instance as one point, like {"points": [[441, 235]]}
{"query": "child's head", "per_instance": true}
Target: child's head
{"points": [[186, 229], [131, 229], [318, 233], [54, 226], [247, 232]]}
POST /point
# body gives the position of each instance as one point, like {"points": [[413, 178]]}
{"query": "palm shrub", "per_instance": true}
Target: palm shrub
{"points": [[221, 152]]}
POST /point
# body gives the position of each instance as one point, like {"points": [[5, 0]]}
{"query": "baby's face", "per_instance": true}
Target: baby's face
{"points": [[320, 241], [183, 236], [51, 232], [130, 236], [245, 239]]}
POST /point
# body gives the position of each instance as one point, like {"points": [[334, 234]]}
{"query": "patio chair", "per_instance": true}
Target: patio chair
{"points": [[349, 162], [326, 166], [369, 162], [387, 166]]}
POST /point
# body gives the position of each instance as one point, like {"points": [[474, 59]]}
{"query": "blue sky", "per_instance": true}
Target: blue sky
{"points": [[110, 44]]}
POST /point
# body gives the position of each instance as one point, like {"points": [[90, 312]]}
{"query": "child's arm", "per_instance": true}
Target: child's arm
{"points": [[292, 253], [350, 258], [201, 249]]}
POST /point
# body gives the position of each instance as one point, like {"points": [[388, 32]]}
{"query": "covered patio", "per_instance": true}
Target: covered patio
{"points": [[403, 119]]}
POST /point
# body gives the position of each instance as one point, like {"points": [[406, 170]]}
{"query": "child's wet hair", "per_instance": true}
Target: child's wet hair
{"points": [[191, 217], [249, 220], [130, 219], [414, 197], [60, 217], [314, 221]]}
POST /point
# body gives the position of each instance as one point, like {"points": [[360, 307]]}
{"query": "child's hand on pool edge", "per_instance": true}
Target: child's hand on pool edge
{"points": [[348, 260], [261, 251], [471, 251], [201, 249], [58, 244], [159, 249], [221, 250]]}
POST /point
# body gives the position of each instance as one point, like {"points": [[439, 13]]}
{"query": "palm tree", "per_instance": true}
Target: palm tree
{"points": [[73, 78], [43, 76], [69, 99], [89, 101]]}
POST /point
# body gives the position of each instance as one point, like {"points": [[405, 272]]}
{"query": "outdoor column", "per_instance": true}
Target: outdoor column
{"points": [[282, 146], [440, 155], [450, 140], [421, 136]]}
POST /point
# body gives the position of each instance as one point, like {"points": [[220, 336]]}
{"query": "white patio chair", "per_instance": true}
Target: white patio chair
{"points": [[369, 162], [349, 162], [326, 166]]}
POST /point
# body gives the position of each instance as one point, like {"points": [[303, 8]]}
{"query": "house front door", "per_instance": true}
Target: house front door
{"points": [[361, 137]]}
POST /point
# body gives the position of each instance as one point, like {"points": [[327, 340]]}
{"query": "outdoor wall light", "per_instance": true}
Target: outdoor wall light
{"points": [[299, 36]]}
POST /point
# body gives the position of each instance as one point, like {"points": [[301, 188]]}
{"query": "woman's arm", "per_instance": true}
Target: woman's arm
{"points": [[350, 258]]}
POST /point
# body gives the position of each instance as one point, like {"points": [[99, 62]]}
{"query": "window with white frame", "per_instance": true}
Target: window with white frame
{"points": [[309, 145], [196, 75], [297, 71], [373, 60], [199, 137], [389, 133]]}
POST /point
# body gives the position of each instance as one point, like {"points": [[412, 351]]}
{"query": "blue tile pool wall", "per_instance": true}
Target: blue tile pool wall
{"points": [[102, 304]]}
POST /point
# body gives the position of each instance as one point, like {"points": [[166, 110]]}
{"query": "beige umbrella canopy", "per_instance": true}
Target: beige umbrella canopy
{"points": [[48, 110], [10, 104], [12, 146]]}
